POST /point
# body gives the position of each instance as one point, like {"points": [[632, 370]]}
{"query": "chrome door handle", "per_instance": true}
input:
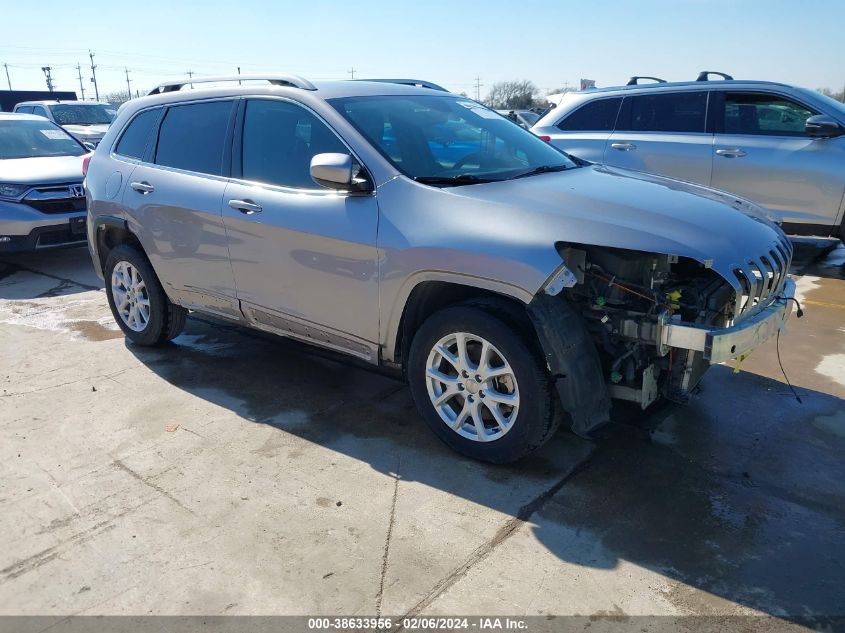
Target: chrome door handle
{"points": [[733, 152], [247, 207], [142, 187], [623, 147]]}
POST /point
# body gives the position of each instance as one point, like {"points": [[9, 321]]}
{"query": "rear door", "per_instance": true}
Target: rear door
{"points": [[304, 256], [584, 131], [762, 152], [663, 133], [174, 200]]}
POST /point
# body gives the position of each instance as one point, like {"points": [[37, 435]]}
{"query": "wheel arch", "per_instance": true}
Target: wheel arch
{"points": [[430, 292], [109, 231]]}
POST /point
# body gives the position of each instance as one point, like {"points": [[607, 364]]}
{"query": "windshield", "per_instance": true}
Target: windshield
{"points": [[449, 140], [83, 114], [30, 139], [529, 116]]}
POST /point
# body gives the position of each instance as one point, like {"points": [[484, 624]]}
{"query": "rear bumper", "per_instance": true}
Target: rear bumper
{"points": [[721, 344]]}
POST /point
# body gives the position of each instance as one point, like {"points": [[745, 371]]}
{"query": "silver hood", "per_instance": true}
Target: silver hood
{"points": [[626, 209], [41, 170]]}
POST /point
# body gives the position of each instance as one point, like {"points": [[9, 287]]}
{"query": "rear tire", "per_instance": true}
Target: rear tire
{"points": [[480, 384], [137, 300]]}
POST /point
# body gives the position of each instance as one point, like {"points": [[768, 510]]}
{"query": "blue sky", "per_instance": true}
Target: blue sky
{"points": [[450, 42]]}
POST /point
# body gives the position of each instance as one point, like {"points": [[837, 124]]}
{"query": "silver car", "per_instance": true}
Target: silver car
{"points": [[419, 231], [780, 146], [87, 121], [42, 201]]}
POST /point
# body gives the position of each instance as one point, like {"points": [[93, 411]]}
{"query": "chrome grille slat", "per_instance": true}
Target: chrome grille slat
{"points": [[761, 279]]}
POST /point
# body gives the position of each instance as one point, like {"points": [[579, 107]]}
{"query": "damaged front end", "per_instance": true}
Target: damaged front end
{"points": [[651, 324]]}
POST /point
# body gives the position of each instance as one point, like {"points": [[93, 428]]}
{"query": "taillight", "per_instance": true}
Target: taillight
{"points": [[546, 138], [85, 162]]}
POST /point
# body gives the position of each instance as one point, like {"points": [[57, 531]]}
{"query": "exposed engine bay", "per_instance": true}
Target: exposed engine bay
{"points": [[625, 297]]}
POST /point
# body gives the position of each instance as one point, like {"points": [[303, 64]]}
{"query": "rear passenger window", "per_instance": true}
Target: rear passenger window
{"points": [[678, 112], [280, 139], [596, 116], [192, 137], [24, 109], [134, 141]]}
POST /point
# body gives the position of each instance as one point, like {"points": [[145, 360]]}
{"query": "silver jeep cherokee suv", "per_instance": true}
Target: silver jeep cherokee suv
{"points": [[780, 146], [418, 230]]}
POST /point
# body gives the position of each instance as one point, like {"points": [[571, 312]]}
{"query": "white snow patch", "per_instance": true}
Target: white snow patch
{"points": [[59, 314], [804, 285], [833, 366], [836, 257]]}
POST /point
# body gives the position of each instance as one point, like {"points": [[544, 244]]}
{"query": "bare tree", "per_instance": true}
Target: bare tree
{"points": [[839, 96], [115, 98], [513, 95]]}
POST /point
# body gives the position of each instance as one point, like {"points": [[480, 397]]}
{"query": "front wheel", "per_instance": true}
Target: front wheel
{"points": [[480, 384], [137, 300]]}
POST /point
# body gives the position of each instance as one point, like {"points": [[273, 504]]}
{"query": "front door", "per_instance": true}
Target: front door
{"points": [[304, 256], [762, 152]]}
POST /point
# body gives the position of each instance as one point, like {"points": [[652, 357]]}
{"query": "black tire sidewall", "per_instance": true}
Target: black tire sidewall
{"points": [[531, 427], [150, 335]]}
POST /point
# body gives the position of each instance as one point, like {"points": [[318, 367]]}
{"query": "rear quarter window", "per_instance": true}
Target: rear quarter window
{"points": [[133, 142], [595, 116]]}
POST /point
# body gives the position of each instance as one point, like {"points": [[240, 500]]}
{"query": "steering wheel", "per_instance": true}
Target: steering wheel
{"points": [[465, 159]]}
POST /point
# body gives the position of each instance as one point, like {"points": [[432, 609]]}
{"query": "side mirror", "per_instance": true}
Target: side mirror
{"points": [[337, 171], [823, 126]]}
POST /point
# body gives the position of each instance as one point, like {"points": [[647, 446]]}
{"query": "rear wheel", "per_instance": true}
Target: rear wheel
{"points": [[137, 300], [480, 385]]}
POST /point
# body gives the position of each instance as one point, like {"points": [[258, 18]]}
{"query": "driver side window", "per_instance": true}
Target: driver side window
{"points": [[764, 114], [279, 140]]}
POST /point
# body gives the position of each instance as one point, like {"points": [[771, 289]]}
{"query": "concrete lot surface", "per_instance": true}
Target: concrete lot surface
{"points": [[232, 473]]}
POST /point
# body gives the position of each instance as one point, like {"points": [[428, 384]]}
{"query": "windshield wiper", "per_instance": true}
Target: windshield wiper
{"points": [[460, 179], [542, 169]]}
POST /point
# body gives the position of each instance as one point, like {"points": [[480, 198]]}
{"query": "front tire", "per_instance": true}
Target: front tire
{"points": [[137, 300], [480, 384]]}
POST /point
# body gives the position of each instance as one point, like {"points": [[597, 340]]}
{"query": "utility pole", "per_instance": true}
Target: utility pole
{"points": [[351, 71], [46, 70], [478, 85], [79, 74], [94, 75], [9, 81], [239, 72], [128, 87], [191, 76]]}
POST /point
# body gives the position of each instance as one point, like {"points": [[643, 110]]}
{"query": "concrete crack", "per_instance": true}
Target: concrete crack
{"points": [[152, 485], [386, 553], [510, 528]]}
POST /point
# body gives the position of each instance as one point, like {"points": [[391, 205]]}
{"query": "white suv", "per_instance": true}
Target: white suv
{"points": [[777, 145]]}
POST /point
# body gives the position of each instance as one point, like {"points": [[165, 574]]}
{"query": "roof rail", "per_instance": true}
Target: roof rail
{"points": [[420, 83], [292, 81], [635, 80], [704, 75]]}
